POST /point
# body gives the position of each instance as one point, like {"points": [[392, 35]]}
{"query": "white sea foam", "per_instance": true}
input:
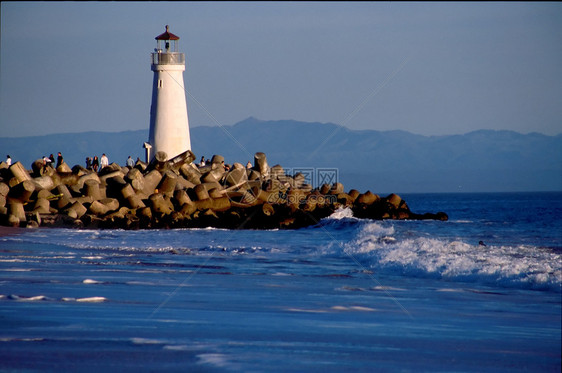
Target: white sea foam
{"points": [[178, 348], [146, 341], [85, 300], [342, 213], [218, 360], [307, 310], [387, 288], [372, 236], [449, 290], [196, 346], [90, 281], [33, 298], [353, 308], [17, 270], [14, 339], [509, 265], [91, 299], [141, 283]]}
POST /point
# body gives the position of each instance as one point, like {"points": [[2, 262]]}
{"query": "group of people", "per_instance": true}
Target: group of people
{"points": [[47, 161], [203, 162], [50, 160], [97, 164]]}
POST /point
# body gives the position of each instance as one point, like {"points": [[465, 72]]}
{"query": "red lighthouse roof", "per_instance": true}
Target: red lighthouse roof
{"points": [[167, 36]]}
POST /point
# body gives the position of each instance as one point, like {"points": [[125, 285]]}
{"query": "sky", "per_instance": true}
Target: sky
{"points": [[427, 68]]}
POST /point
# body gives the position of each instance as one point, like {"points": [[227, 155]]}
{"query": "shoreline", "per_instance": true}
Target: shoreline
{"points": [[10, 231]]}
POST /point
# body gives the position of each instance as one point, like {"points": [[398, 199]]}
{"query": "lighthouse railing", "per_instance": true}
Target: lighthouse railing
{"points": [[169, 58]]}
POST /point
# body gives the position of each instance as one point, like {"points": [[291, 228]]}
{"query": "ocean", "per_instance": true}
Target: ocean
{"points": [[480, 292]]}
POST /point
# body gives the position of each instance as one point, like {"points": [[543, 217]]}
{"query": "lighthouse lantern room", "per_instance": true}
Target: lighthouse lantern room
{"points": [[169, 125]]}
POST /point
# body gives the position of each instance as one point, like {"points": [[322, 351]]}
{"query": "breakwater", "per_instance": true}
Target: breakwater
{"points": [[178, 194]]}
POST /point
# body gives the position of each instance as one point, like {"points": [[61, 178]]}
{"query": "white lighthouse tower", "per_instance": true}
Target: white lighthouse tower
{"points": [[169, 126]]}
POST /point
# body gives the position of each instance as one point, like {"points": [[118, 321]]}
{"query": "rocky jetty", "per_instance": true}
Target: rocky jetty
{"points": [[179, 194]]}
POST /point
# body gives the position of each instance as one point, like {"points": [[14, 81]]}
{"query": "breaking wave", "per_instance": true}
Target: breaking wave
{"points": [[513, 266]]}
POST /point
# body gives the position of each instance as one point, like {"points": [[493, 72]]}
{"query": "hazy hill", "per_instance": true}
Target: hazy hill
{"points": [[388, 161]]}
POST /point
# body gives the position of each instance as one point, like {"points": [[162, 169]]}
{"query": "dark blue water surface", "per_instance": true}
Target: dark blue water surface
{"points": [[499, 218], [345, 295]]}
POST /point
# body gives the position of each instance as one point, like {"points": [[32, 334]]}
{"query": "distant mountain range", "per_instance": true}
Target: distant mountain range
{"points": [[380, 161]]}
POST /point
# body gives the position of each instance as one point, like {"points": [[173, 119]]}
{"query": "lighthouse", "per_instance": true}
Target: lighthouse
{"points": [[169, 126]]}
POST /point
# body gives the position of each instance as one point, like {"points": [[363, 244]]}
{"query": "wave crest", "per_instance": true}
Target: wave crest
{"points": [[519, 266]]}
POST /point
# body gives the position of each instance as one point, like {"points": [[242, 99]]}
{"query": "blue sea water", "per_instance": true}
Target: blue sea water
{"points": [[345, 295]]}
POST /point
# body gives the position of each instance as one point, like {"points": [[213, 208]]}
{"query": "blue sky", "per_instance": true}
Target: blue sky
{"points": [[428, 68]]}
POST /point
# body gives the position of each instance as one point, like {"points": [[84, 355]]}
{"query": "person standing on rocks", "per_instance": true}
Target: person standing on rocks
{"points": [[95, 163], [52, 158], [130, 162], [8, 160], [46, 163], [104, 161], [59, 159]]}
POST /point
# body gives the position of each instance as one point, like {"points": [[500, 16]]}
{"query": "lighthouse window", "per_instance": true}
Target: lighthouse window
{"points": [[160, 83]]}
